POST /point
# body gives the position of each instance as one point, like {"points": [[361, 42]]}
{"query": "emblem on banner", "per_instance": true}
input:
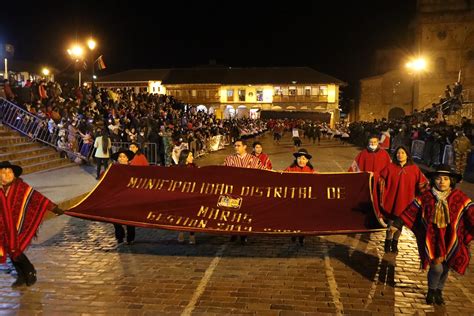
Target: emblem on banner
{"points": [[229, 202]]}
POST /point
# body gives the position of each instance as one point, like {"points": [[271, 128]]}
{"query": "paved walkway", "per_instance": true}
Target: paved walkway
{"points": [[82, 271]]}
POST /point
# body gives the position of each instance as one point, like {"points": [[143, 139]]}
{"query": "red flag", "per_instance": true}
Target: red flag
{"points": [[100, 63]]}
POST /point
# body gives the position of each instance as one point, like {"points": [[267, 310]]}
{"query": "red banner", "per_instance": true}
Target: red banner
{"points": [[218, 199]]}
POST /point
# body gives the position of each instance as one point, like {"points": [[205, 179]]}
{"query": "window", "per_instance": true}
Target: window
{"points": [[259, 95], [292, 91], [278, 91], [323, 90], [230, 95], [307, 91], [241, 95], [193, 93]]}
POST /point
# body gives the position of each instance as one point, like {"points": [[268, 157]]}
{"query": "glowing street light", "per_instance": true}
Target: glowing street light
{"points": [[91, 44], [417, 65], [45, 71], [76, 51]]}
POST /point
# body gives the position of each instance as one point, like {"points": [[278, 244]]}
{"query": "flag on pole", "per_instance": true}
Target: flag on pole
{"points": [[100, 63]]}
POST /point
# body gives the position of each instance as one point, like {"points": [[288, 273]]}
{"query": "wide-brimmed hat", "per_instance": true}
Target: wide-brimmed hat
{"points": [[444, 170], [17, 170], [127, 152], [302, 152]]}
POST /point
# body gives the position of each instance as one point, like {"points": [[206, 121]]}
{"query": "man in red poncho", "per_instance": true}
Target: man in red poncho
{"points": [[373, 159], [21, 212], [399, 182], [258, 152]]}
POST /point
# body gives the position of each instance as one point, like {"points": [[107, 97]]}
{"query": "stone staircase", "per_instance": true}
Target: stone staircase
{"points": [[31, 156]]}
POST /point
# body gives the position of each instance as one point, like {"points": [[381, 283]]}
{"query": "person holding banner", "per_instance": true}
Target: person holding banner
{"points": [[399, 182], [372, 159], [186, 159], [242, 159], [139, 159], [301, 164], [442, 220], [257, 152], [21, 211], [123, 157]]}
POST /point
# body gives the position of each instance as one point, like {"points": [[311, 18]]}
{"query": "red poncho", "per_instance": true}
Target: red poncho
{"points": [[451, 242], [21, 212], [265, 160], [139, 160], [398, 187], [297, 168], [374, 161]]}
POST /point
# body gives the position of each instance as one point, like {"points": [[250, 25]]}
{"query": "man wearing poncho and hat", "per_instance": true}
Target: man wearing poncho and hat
{"points": [[21, 212]]}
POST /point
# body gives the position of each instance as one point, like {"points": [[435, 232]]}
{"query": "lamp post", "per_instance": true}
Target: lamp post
{"points": [[91, 43], [76, 52], [415, 66]]}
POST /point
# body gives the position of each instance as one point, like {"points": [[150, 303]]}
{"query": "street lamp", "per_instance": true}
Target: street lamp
{"points": [[45, 72], [91, 43], [76, 52], [416, 66]]}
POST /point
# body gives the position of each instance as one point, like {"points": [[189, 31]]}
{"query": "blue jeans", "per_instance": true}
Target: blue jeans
{"points": [[437, 276]]}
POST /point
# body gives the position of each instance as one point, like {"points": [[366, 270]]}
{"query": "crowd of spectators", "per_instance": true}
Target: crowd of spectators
{"points": [[78, 114], [429, 126]]}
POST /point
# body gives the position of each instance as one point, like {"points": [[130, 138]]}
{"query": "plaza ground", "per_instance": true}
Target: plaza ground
{"points": [[82, 271]]}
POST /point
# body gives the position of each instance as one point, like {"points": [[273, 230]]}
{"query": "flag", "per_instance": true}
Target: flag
{"points": [[100, 63]]}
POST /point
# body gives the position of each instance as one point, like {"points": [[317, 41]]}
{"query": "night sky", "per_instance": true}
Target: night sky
{"points": [[337, 37]]}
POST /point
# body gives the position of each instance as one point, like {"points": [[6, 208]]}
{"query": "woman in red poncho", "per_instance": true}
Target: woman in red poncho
{"points": [[139, 159], [442, 220], [186, 160], [21, 211], [301, 164], [399, 182]]}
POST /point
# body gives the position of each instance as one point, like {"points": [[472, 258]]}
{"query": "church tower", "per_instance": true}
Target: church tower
{"points": [[445, 36]]}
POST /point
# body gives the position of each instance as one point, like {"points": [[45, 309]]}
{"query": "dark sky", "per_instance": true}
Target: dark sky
{"points": [[334, 37]]}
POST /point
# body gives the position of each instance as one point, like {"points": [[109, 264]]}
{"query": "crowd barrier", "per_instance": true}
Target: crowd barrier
{"points": [[150, 150], [418, 148], [37, 129]]}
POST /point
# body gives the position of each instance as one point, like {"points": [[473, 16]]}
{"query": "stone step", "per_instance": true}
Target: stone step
{"points": [[48, 165], [33, 160], [29, 152], [20, 147], [8, 133], [10, 140]]}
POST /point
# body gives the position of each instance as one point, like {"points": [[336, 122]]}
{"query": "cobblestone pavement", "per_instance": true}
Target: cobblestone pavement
{"points": [[82, 271]]}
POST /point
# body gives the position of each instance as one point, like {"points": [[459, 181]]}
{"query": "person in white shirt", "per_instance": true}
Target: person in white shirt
{"points": [[102, 145]]}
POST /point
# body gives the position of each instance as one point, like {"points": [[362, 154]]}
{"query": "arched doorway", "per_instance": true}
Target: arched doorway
{"points": [[242, 112], [229, 112], [202, 108], [396, 113]]}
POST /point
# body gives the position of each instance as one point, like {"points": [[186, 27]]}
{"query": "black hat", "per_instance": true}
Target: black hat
{"points": [[445, 170], [17, 170], [127, 152], [302, 152]]}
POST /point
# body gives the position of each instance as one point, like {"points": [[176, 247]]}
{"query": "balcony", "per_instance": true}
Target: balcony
{"points": [[300, 98]]}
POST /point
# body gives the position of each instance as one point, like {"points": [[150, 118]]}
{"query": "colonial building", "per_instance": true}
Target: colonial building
{"points": [[238, 92], [444, 36]]}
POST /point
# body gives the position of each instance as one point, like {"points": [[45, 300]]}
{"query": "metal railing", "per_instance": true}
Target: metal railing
{"points": [[150, 150], [37, 129]]}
